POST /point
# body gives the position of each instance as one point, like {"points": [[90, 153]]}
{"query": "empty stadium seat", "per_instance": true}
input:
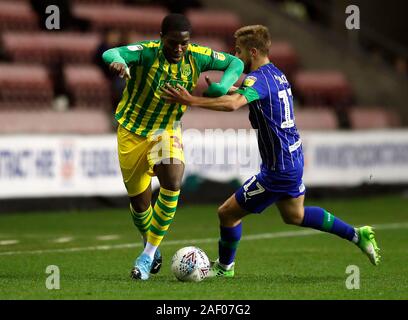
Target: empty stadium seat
{"points": [[24, 86], [51, 48], [217, 44], [201, 119], [284, 56], [313, 118], [215, 76], [99, 1], [137, 36], [94, 121], [372, 118], [87, 86], [17, 15], [322, 88], [123, 17], [214, 43], [214, 23]]}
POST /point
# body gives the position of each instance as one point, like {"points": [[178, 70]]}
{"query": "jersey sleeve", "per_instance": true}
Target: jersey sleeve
{"points": [[208, 59], [216, 61], [253, 88], [128, 55]]}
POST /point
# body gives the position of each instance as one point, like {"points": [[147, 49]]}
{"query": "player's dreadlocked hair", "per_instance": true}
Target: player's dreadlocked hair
{"points": [[175, 22], [256, 36]]}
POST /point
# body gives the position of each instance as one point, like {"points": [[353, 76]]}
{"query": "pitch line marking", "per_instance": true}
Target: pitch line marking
{"points": [[283, 234], [108, 237], [63, 240], [8, 242]]}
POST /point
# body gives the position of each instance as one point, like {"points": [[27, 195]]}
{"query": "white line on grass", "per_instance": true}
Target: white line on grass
{"points": [[284, 234], [108, 237], [7, 242], [63, 240]]}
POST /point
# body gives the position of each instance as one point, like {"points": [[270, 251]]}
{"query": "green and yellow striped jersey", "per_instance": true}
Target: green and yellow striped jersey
{"points": [[141, 109]]}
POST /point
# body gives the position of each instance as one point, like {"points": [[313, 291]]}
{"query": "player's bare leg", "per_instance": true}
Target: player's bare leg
{"points": [[230, 215], [141, 202], [293, 212], [170, 173]]}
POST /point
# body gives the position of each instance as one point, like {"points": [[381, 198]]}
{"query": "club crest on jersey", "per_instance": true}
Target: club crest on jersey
{"points": [[135, 47], [218, 56], [186, 70], [250, 81]]}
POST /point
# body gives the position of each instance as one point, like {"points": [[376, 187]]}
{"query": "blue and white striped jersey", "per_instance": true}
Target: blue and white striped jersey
{"points": [[270, 102]]}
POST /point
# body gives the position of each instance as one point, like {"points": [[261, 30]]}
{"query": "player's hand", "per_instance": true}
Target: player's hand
{"points": [[214, 89], [120, 69], [209, 82], [177, 94]]}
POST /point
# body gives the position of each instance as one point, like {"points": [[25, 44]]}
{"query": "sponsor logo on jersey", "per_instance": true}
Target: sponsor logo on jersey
{"points": [[186, 70], [173, 83], [135, 47], [250, 81], [218, 56]]}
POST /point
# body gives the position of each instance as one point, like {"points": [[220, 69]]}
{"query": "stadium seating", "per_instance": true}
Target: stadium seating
{"points": [[24, 86], [92, 121], [306, 119], [122, 17], [214, 23], [322, 88], [99, 1], [214, 43], [87, 86], [71, 54], [17, 15], [284, 56], [201, 119], [137, 36], [217, 44], [313, 118], [51, 48], [372, 118]]}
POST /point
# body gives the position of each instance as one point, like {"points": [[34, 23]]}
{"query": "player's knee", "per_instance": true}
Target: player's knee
{"points": [[140, 206], [172, 181], [225, 216], [170, 176], [222, 213], [295, 218]]}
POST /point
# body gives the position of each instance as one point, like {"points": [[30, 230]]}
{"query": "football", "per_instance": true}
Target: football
{"points": [[190, 264]]}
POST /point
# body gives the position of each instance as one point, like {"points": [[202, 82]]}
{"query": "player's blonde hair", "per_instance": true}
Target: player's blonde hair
{"points": [[255, 36]]}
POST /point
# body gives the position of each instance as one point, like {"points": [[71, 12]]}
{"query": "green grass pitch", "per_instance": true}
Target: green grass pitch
{"points": [[95, 251]]}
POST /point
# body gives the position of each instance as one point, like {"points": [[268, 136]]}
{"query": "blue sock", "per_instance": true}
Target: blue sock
{"points": [[320, 219], [227, 246]]}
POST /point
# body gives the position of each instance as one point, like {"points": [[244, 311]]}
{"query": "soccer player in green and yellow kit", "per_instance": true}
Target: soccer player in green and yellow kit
{"points": [[149, 133]]}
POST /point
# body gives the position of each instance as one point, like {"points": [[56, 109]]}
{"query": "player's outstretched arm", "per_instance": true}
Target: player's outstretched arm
{"points": [[224, 103], [120, 58], [231, 90], [232, 67]]}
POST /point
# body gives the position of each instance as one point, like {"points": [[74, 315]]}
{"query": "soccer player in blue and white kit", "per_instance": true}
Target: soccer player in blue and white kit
{"points": [[268, 94]]}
